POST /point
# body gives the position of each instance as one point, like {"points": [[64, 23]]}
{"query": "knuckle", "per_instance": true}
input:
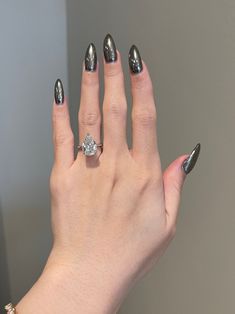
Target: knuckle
{"points": [[89, 118], [116, 109], [59, 182], [53, 185], [145, 118], [55, 181], [61, 138], [89, 79], [67, 183]]}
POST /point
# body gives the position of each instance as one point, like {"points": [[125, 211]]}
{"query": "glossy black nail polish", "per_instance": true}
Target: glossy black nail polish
{"points": [[190, 162], [90, 58], [109, 48], [135, 61], [59, 92]]}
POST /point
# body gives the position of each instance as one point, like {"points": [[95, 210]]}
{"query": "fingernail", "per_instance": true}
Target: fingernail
{"points": [[109, 48], [135, 61], [190, 162], [59, 92], [90, 58]]}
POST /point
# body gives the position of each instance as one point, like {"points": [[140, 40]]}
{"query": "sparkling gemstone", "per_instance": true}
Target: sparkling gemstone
{"points": [[89, 146]]}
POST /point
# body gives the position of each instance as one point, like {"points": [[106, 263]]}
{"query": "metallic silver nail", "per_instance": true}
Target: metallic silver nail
{"points": [[90, 58], [59, 92], [109, 49], [135, 61], [190, 162]]}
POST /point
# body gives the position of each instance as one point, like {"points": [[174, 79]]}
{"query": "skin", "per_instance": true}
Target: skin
{"points": [[113, 214]]}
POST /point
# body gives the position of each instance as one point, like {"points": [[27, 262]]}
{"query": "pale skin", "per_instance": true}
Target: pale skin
{"points": [[113, 214]]}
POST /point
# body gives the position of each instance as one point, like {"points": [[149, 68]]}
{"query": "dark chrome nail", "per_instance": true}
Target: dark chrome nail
{"points": [[109, 48], [90, 58], [59, 92], [135, 61], [190, 162]]}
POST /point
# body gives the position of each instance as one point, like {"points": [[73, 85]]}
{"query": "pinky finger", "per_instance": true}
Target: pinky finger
{"points": [[63, 138]]}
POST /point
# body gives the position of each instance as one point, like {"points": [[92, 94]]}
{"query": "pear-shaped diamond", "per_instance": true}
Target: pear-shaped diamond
{"points": [[89, 146]]}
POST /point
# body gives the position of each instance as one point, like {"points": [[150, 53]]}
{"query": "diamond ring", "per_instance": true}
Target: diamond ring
{"points": [[89, 146]]}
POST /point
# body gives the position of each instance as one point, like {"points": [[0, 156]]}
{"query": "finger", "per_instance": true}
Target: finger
{"points": [[63, 138], [115, 104], [89, 117], [173, 178], [143, 114]]}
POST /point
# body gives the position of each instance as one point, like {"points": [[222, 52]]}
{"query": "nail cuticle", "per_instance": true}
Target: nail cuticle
{"points": [[59, 92]]}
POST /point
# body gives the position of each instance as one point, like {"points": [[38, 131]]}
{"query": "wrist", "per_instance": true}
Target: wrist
{"points": [[92, 281], [65, 286]]}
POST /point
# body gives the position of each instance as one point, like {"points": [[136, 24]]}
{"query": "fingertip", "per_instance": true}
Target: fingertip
{"points": [[113, 70], [174, 175], [179, 164], [60, 110], [141, 83], [90, 78]]}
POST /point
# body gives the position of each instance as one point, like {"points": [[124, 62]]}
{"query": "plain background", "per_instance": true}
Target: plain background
{"points": [[189, 47]]}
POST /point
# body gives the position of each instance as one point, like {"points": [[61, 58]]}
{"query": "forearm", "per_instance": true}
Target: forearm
{"points": [[81, 289]]}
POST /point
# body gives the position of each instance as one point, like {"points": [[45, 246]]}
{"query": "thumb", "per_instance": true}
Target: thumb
{"points": [[173, 179]]}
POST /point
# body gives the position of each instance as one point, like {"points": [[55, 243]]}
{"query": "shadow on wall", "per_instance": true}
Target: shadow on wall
{"points": [[4, 277]]}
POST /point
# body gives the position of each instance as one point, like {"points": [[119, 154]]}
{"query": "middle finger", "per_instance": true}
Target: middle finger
{"points": [[115, 104]]}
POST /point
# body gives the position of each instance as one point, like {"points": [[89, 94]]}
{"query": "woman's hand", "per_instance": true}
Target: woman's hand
{"points": [[114, 213]]}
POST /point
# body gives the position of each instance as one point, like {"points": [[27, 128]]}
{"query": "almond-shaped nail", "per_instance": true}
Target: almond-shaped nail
{"points": [[90, 58], [135, 61], [190, 161], [109, 49], [59, 92]]}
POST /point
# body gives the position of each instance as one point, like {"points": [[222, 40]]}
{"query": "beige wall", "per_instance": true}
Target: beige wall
{"points": [[189, 47]]}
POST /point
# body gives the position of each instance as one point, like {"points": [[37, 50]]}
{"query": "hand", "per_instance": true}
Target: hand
{"points": [[114, 213]]}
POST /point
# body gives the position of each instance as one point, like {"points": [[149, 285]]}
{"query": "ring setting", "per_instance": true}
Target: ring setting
{"points": [[89, 146]]}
